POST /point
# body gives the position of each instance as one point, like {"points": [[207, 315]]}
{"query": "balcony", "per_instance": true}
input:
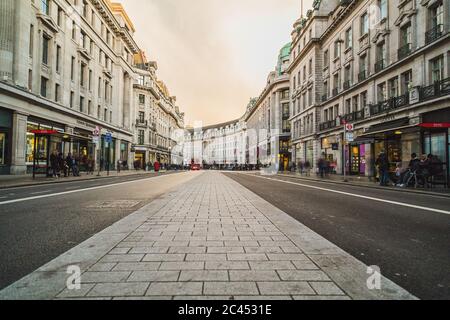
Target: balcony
{"points": [[362, 76], [440, 88], [324, 97], [327, 125], [335, 92], [434, 33], [354, 116], [141, 123], [380, 65], [390, 104], [404, 51], [347, 85]]}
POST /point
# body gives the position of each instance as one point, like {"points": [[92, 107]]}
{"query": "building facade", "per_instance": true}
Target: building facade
{"points": [[159, 126], [267, 119], [370, 64], [67, 84]]}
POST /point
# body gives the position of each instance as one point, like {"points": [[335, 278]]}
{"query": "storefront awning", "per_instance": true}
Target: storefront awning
{"points": [[388, 127]]}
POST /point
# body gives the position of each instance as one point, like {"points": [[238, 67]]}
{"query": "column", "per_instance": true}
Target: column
{"points": [[117, 152], [18, 141], [7, 10]]}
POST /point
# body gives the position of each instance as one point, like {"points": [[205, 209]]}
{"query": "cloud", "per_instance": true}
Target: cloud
{"points": [[213, 54]]}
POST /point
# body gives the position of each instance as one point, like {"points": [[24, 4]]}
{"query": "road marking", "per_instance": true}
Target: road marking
{"points": [[41, 192], [80, 190], [359, 196]]}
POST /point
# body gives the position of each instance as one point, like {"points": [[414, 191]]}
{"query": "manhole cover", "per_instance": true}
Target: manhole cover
{"points": [[113, 204]]}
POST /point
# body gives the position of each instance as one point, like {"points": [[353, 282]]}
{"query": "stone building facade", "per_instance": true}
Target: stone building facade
{"points": [[67, 78], [380, 66]]}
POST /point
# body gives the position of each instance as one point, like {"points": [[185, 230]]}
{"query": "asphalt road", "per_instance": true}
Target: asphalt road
{"points": [[48, 220], [410, 244]]}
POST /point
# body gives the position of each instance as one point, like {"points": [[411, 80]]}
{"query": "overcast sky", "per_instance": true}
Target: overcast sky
{"points": [[214, 55]]}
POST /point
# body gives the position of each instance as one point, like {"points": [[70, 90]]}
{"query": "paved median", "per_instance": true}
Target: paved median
{"points": [[210, 239]]}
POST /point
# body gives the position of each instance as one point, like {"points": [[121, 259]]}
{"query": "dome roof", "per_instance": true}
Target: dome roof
{"points": [[285, 51]]}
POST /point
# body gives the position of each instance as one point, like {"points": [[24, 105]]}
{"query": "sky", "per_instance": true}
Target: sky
{"points": [[213, 55]]}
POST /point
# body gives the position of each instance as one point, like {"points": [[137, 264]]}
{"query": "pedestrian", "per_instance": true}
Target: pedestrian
{"points": [[69, 164], [54, 163], [62, 165], [307, 168], [413, 169], [382, 163], [321, 165], [75, 166], [90, 166], [156, 166]]}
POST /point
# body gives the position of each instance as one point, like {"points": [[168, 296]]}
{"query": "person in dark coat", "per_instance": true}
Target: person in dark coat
{"points": [[382, 163], [62, 165], [54, 163], [157, 166]]}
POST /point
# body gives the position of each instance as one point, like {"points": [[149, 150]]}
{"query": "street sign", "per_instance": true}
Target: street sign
{"points": [[350, 137], [96, 132], [95, 140], [349, 127], [108, 138]]}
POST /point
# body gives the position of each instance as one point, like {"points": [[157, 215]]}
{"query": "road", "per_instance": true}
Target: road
{"points": [[407, 235], [39, 223]]}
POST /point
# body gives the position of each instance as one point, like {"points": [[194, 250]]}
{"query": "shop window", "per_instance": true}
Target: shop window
{"points": [[2, 148]]}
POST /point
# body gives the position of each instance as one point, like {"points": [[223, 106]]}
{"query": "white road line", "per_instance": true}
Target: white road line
{"points": [[41, 192], [359, 196], [76, 191]]}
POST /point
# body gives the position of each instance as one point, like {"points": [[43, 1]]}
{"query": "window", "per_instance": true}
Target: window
{"points": [[326, 59], [383, 4], [348, 38], [82, 74], [381, 92], [310, 67], [141, 117], [72, 69], [89, 107], [141, 99], [364, 24], [348, 106], [437, 69], [59, 18], [72, 98], [99, 112], [45, 48], [406, 80], [393, 87], [44, 83], [45, 6], [363, 99], [58, 59], [81, 104], [355, 103], [337, 49], [90, 80], [437, 16], [57, 93], [30, 79], [381, 57], [405, 35], [74, 30], [31, 47], [105, 115], [2, 148]]}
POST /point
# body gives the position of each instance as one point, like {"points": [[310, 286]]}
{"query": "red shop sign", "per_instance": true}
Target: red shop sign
{"points": [[435, 125], [44, 131]]}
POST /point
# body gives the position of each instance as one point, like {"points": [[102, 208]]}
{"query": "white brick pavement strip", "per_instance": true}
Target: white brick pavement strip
{"points": [[209, 239]]}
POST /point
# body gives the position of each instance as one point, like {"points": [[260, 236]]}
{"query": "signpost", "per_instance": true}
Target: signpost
{"points": [[108, 140], [348, 137]]}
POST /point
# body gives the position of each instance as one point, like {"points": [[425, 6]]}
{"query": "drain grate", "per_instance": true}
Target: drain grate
{"points": [[113, 204]]}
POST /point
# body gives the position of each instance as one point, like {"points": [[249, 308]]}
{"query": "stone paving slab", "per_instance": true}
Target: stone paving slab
{"points": [[210, 239]]}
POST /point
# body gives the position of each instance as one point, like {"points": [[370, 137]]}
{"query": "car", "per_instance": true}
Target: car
{"points": [[195, 167]]}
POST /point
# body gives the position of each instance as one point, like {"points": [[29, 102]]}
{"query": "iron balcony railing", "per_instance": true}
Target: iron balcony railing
{"points": [[327, 125], [354, 116], [390, 104], [380, 65], [362, 76], [324, 97], [140, 122], [335, 92], [404, 51], [434, 33], [347, 85], [438, 89]]}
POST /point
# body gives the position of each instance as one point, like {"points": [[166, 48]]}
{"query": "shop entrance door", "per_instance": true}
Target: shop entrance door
{"points": [[139, 161], [438, 145]]}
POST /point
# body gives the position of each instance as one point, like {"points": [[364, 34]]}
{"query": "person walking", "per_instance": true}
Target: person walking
{"points": [[382, 163], [69, 163], [54, 163], [157, 166], [62, 165]]}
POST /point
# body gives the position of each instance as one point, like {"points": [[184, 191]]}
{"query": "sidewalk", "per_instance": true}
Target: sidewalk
{"points": [[210, 239], [365, 182], [9, 181]]}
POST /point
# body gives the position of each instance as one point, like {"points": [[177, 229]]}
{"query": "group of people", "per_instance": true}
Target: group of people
{"points": [[65, 166], [419, 170]]}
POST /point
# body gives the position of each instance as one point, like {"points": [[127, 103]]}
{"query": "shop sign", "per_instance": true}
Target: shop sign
{"points": [[435, 125], [86, 124], [335, 146], [349, 127], [44, 131]]}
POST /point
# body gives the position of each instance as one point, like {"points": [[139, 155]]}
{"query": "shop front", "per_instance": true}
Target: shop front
{"points": [[140, 159], [83, 147], [332, 152], [43, 138], [5, 138], [435, 128], [107, 154]]}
